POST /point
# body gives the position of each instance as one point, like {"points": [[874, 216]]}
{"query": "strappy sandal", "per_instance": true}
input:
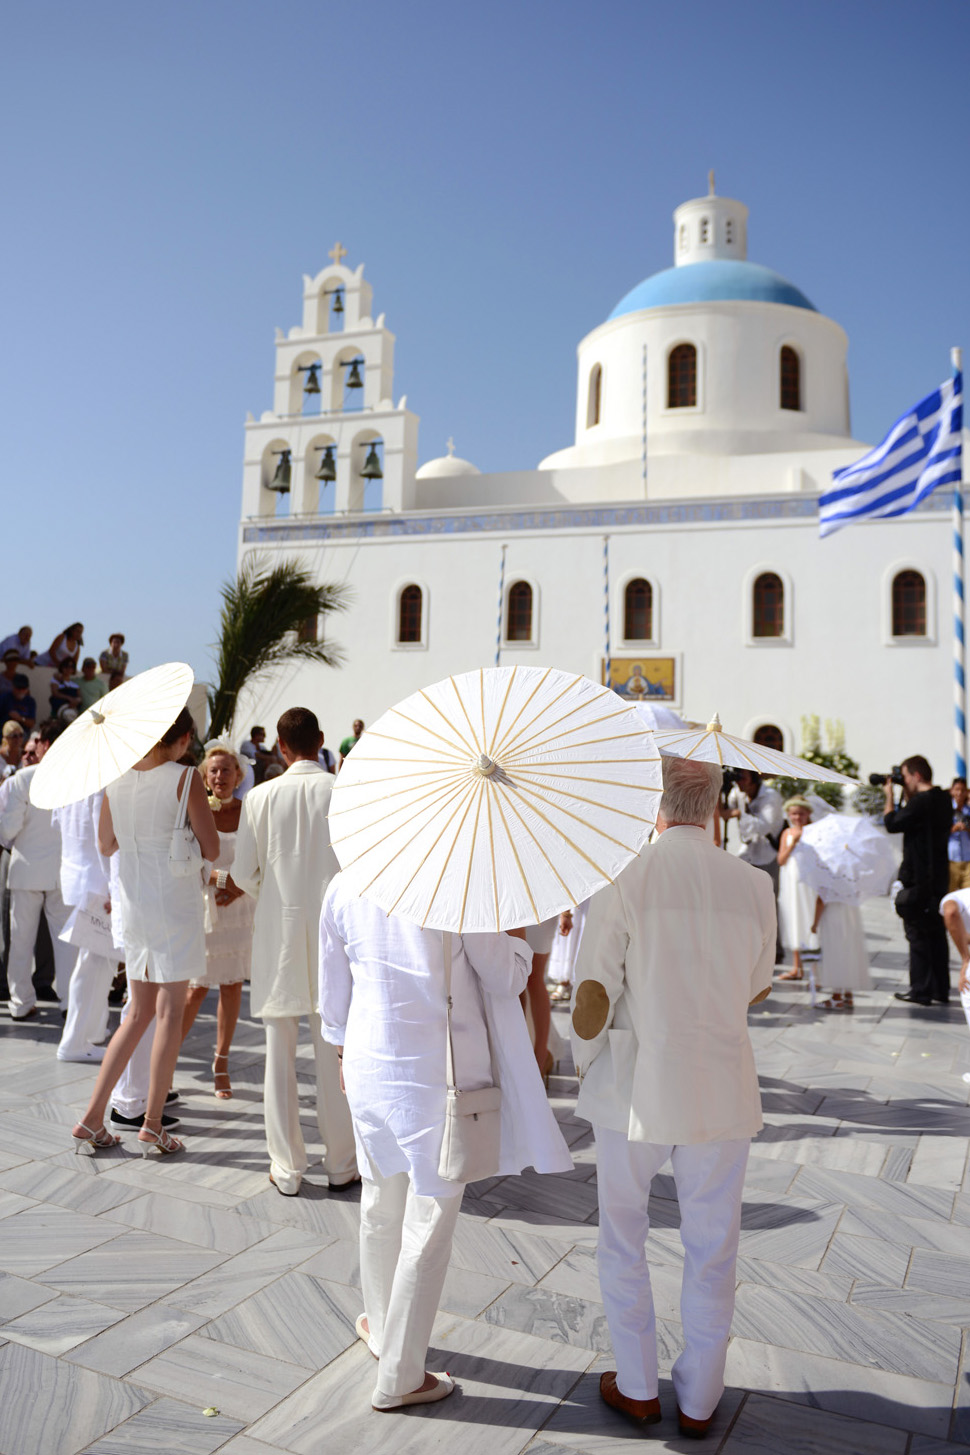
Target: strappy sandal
{"points": [[791, 975], [158, 1144], [224, 1093], [92, 1142]]}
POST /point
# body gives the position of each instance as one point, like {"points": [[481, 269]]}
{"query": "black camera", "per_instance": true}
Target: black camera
{"points": [[895, 776], [729, 776]]}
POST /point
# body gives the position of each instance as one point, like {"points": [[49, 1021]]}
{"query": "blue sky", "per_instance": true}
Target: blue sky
{"points": [[506, 172]]}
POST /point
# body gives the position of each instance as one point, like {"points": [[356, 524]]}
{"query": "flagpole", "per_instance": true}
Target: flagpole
{"points": [[501, 607], [608, 671], [959, 649]]}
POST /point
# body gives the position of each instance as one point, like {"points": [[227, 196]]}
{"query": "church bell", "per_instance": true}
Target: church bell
{"points": [[327, 470], [338, 301], [312, 384], [281, 480], [354, 381], [371, 468]]}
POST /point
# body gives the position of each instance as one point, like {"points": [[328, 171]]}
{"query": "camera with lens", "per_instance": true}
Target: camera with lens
{"points": [[895, 776], [729, 776]]}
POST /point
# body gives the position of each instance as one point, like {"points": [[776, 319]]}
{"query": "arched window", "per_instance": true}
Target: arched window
{"points": [[682, 377], [638, 611], [518, 621], [409, 615], [729, 230], [705, 230], [769, 606], [769, 736], [683, 237], [909, 605], [595, 396], [791, 379]]}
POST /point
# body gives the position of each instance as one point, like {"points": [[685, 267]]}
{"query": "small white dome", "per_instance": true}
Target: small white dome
{"points": [[444, 465]]}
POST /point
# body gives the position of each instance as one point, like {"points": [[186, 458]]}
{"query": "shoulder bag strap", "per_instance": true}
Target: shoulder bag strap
{"points": [[183, 811], [446, 950]]}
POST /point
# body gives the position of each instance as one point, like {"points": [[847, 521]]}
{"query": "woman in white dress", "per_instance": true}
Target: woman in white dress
{"points": [[163, 926], [228, 915], [845, 962], [796, 901]]}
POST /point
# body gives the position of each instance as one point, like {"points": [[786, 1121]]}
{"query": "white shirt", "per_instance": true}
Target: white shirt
{"points": [[763, 815], [382, 997], [84, 870], [284, 861], [34, 841], [681, 943]]}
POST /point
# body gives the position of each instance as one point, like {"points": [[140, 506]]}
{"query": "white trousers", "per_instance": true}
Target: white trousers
{"points": [[405, 1245], [87, 1004], [281, 1106], [130, 1096], [26, 907], [709, 1179]]}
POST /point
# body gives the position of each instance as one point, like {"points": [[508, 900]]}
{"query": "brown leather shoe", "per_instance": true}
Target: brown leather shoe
{"points": [[640, 1411], [693, 1429]]}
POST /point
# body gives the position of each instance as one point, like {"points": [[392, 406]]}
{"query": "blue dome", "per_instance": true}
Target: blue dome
{"points": [[721, 280]]}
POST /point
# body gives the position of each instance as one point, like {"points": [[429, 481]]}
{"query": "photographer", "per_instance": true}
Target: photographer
{"points": [[923, 818], [760, 822]]}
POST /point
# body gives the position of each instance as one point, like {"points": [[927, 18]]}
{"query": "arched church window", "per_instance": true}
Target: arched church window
{"points": [[729, 230], [791, 379], [409, 615], [638, 611], [682, 377], [705, 230], [770, 736], [769, 606], [683, 237], [909, 605], [518, 620], [595, 399]]}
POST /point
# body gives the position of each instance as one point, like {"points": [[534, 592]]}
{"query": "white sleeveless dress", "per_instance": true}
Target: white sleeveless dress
{"points": [[162, 915], [228, 929]]}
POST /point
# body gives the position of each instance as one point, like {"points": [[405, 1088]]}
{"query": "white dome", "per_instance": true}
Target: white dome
{"points": [[445, 465]]}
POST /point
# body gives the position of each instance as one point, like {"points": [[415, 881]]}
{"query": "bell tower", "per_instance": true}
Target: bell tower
{"points": [[334, 441], [710, 228]]}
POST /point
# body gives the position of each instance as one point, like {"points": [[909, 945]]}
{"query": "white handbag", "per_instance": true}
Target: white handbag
{"points": [[184, 854], [470, 1146]]}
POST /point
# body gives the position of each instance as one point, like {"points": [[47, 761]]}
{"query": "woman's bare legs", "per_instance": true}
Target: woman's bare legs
{"points": [[120, 1050], [193, 1004], [230, 1003], [169, 1014], [540, 1007]]}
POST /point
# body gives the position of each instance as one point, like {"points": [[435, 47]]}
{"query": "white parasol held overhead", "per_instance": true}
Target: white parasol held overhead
{"points": [[713, 745], [495, 799], [846, 860], [656, 716], [110, 737]]}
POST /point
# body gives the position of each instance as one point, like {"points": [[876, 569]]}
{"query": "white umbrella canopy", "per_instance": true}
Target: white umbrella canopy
{"points": [[845, 859], [713, 745], [655, 716], [495, 799], [110, 737]]}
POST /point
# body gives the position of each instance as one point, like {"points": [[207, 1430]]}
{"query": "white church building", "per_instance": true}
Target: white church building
{"points": [[672, 545]]}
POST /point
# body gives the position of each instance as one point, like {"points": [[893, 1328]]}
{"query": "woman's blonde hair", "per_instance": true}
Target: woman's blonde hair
{"points": [[219, 745]]}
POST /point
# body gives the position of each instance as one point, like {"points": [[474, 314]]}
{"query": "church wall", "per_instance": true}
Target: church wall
{"points": [[894, 699]]}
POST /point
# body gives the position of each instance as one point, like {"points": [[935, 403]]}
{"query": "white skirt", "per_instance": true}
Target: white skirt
{"points": [[796, 910], [845, 963]]}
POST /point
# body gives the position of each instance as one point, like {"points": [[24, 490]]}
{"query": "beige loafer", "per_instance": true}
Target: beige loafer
{"points": [[441, 1389]]}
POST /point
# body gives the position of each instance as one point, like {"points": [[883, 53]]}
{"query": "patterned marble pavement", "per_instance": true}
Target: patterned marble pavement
{"points": [[134, 1295]]}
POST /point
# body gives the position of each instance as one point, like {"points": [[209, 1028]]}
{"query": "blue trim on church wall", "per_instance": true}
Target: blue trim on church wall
{"points": [[595, 517]]}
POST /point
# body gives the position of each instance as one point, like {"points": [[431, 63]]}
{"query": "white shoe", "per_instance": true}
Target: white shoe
{"points": [[443, 1386], [966, 1077], [92, 1054]]}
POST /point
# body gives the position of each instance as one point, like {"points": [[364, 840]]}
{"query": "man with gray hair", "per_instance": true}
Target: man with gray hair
{"points": [[673, 953]]}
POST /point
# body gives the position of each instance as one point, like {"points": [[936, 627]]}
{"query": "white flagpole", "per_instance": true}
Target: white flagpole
{"points": [[501, 607], [606, 611], [959, 649]]}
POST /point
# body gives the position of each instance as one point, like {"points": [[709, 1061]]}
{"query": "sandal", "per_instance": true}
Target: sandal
{"points": [[791, 975], [158, 1144], [224, 1093], [91, 1142]]}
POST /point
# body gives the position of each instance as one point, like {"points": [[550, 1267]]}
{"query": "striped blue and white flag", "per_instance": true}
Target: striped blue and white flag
{"points": [[920, 452]]}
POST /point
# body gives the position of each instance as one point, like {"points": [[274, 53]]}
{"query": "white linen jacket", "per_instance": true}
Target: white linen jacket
{"points": [[34, 841], [285, 862], [84, 869], [672, 955], [382, 997]]}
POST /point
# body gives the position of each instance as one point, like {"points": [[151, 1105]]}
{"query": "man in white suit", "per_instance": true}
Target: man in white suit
{"points": [[672, 955], [284, 860]]}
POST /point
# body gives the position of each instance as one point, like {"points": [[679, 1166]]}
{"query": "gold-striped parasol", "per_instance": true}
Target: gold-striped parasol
{"points": [[495, 799], [712, 744]]}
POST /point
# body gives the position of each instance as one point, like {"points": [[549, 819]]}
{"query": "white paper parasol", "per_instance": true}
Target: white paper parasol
{"points": [[110, 737], [713, 745], [495, 799], [655, 716], [845, 859]]}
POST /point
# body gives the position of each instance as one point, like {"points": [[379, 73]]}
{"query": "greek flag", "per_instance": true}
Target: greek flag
{"points": [[920, 452]]}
